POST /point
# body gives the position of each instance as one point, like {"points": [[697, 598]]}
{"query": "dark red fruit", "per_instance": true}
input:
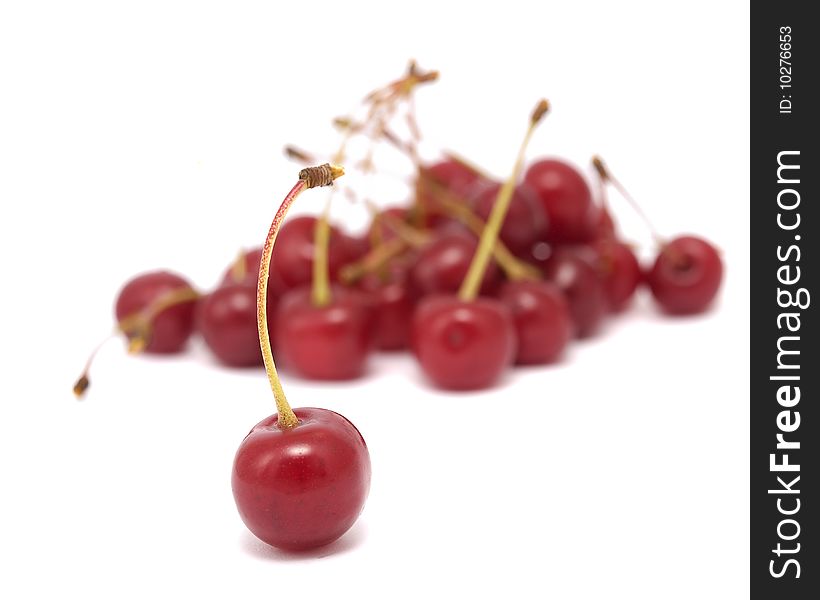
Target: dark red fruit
{"points": [[329, 342], [302, 487], [619, 270], [463, 345], [543, 323], [393, 302], [450, 176], [566, 200], [226, 319], [525, 222], [686, 275], [293, 257], [441, 266], [577, 277], [170, 329]]}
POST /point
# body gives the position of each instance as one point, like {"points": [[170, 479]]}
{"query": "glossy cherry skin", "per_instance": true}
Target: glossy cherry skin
{"points": [[172, 327], [566, 200], [303, 487], [292, 259], [686, 275], [330, 342], [226, 318], [576, 276], [442, 265], [393, 303], [525, 222], [619, 270], [463, 345], [543, 323]]}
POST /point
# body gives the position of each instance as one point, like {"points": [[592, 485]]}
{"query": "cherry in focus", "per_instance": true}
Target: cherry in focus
{"points": [[169, 329], [330, 342], [301, 487], [566, 199], [686, 275], [463, 345], [542, 319]]}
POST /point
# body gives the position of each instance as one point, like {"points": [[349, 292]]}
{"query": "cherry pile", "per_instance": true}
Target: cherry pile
{"points": [[471, 275]]}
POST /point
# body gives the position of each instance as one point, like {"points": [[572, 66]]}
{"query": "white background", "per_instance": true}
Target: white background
{"points": [[142, 135]]}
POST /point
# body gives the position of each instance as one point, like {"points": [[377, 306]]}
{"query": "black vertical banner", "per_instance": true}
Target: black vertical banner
{"points": [[785, 339]]}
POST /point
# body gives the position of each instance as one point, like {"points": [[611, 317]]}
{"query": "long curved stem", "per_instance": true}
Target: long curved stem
{"points": [[308, 178]]}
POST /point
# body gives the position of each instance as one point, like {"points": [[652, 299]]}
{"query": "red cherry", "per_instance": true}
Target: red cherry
{"points": [[543, 323], [301, 487], [329, 342], [463, 345], [168, 330], [441, 266], [449, 176], [356, 246], [619, 270], [382, 232], [393, 303], [576, 276], [686, 275], [566, 199], [525, 222], [293, 259], [226, 318]]}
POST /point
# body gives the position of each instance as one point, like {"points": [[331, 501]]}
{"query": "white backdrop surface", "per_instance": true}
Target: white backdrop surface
{"points": [[142, 135]]}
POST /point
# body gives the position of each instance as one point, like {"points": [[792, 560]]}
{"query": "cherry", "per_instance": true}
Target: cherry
{"points": [[576, 276], [155, 311], [329, 341], [463, 345], [293, 259], [300, 478], [442, 265], [565, 198], [143, 318], [525, 223], [466, 342], [543, 323], [393, 302], [686, 275], [450, 175], [303, 486], [619, 271], [226, 318]]}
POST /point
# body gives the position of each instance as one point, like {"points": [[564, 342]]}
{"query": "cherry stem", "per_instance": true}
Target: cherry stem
{"points": [[320, 293], [606, 176], [455, 207], [373, 260], [239, 268], [472, 281], [137, 327], [309, 177]]}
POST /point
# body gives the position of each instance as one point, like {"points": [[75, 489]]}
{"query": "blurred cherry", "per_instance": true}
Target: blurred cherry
{"points": [[565, 198], [542, 319], [686, 275], [442, 265], [575, 274], [525, 222], [293, 260]]}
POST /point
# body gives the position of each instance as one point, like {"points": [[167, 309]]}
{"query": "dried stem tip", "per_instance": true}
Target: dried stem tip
{"points": [[540, 110], [598, 163], [320, 176], [81, 386]]}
